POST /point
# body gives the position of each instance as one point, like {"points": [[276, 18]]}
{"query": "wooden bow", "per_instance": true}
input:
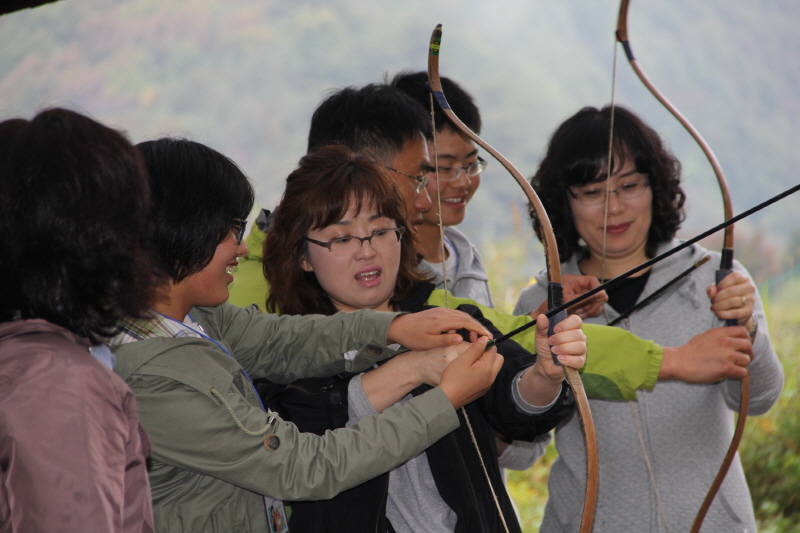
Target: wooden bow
{"points": [[555, 291], [726, 263]]}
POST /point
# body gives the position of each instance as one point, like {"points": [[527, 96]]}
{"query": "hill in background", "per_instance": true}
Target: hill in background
{"points": [[245, 76]]}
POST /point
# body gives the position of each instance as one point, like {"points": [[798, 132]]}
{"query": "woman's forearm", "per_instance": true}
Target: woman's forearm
{"points": [[390, 382]]}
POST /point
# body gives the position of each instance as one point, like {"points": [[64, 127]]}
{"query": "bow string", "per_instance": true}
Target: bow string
{"points": [[555, 291]]}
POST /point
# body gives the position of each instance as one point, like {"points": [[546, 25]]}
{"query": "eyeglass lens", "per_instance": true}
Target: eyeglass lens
{"points": [[626, 191], [380, 239]]}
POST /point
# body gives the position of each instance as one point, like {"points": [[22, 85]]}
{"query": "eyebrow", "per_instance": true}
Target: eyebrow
{"points": [[454, 158], [634, 171], [627, 174], [346, 222]]}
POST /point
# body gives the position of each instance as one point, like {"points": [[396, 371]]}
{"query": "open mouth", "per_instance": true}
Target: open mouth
{"points": [[460, 200], [369, 277]]}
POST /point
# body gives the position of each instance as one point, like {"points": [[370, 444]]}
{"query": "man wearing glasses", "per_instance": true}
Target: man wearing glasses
{"points": [[380, 121], [459, 175], [377, 120]]}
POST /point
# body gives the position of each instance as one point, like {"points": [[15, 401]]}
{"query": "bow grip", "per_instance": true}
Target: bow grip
{"points": [[555, 297], [725, 268]]}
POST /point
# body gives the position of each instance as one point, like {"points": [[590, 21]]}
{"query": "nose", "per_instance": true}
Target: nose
{"points": [[422, 202], [462, 180], [615, 205], [241, 249], [366, 250]]}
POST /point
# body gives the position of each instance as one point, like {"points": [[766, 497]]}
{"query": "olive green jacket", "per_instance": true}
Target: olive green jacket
{"points": [[215, 451]]}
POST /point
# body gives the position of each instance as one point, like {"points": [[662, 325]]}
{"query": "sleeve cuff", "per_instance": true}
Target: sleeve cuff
{"points": [[358, 405], [653, 367], [524, 406]]}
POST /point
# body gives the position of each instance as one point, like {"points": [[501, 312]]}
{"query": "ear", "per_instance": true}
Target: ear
{"points": [[305, 264]]}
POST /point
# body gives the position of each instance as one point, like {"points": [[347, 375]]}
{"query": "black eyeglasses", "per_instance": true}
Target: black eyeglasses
{"points": [[238, 230], [422, 181], [348, 245]]}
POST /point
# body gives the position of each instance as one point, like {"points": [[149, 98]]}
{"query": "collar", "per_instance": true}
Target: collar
{"points": [[137, 329]]}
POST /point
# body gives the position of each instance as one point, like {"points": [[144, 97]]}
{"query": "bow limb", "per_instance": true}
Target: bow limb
{"points": [[555, 293], [726, 264]]}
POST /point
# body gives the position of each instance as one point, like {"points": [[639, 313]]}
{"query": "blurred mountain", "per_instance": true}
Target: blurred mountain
{"points": [[244, 76]]}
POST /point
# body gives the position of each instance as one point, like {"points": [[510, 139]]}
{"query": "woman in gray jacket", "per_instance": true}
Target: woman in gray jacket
{"points": [[658, 455]]}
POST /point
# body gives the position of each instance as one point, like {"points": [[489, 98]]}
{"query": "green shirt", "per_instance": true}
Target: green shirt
{"points": [[617, 362]]}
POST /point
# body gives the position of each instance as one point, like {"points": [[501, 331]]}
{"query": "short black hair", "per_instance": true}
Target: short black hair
{"points": [[377, 120], [197, 195], [578, 154], [415, 85], [73, 207]]}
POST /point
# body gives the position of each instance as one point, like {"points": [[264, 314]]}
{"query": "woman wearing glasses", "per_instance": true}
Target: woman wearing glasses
{"points": [[339, 241], [675, 436], [218, 455]]}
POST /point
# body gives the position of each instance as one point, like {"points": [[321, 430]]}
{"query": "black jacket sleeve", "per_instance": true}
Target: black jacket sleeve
{"points": [[498, 407]]}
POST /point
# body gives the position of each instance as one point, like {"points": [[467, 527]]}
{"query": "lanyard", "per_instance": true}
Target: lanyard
{"points": [[203, 335]]}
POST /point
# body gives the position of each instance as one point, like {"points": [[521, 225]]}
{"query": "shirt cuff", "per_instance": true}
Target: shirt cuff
{"points": [[358, 405], [520, 402]]}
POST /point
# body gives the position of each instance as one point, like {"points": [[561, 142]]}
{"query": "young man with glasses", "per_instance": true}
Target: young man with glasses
{"points": [[459, 175], [450, 253], [377, 120]]}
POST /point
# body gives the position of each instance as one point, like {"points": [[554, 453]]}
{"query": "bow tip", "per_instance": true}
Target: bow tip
{"points": [[436, 41]]}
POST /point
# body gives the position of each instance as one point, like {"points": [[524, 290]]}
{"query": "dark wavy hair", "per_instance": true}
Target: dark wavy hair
{"points": [[73, 206], [319, 193], [197, 194], [578, 154]]}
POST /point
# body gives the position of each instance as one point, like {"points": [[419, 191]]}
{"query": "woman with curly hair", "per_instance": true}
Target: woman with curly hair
{"points": [[676, 435], [73, 206]]}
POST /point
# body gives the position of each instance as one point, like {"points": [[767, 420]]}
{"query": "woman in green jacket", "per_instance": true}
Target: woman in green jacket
{"points": [[216, 452]]}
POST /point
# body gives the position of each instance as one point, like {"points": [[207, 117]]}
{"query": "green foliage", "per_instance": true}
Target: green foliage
{"points": [[771, 452], [528, 489], [513, 261]]}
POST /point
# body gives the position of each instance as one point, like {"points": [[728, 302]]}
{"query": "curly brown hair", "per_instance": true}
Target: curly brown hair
{"points": [[578, 154], [326, 184]]}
